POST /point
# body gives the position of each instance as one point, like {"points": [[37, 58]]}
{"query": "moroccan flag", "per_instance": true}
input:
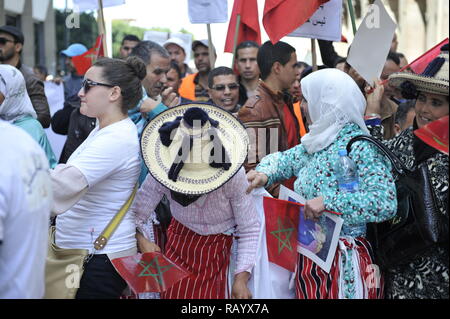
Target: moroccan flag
{"points": [[249, 26], [420, 64], [435, 134], [281, 17], [84, 61], [149, 272], [281, 231]]}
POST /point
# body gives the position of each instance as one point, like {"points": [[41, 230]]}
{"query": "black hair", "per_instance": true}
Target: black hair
{"points": [[245, 45], [174, 65], [145, 49], [126, 74], [270, 53], [392, 56], [130, 37], [402, 111], [400, 55], [309, 70], [42, 69], [301, 64], [221, 70]]}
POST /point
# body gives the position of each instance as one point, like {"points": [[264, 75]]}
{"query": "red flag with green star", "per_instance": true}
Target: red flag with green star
{"points": [[83, 62], [281, 231], [149, 272]]}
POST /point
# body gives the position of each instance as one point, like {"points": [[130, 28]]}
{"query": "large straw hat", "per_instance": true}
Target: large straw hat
{"points": [[176, 147], [433, 80]]}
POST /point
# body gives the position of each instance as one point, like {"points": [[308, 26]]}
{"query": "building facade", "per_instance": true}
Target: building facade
{"points": [[36, 19]]}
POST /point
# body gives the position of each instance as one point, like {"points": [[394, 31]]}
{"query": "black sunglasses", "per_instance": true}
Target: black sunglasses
{"points": [[221, 87], [3, 41], [88, 84]]}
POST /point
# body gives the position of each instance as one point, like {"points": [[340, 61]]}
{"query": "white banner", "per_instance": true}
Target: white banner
{"points": [[15, 6], [40, 9], [325, 23], [208, 11], [372, 42], [156, 36], [55, 98], [85, 5]]}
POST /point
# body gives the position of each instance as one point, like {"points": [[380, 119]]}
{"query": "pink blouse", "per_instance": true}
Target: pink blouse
{"points": [[227, 208]]}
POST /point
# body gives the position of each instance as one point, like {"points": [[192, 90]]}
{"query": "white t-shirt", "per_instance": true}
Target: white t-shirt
{"points": [[25, 203], [109, 159]]}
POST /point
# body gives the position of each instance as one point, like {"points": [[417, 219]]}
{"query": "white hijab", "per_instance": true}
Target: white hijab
{"points": [[334, 99], [17, 103]]}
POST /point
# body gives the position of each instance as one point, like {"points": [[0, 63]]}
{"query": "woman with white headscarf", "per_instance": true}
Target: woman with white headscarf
{"points": [[17, 109], [335, 109]]}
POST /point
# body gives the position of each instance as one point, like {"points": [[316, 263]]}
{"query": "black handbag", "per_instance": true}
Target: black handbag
{"points": [[418, 224]]}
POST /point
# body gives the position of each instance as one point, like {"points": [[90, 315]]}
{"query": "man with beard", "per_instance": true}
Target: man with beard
{"points": [[195, 86], [11, 45]]}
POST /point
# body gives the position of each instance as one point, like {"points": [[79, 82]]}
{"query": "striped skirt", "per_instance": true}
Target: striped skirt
{"points": [[352, 274], [206, 257]]}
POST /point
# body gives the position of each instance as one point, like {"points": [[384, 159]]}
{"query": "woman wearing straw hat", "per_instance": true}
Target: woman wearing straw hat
{"points": [[426, 276], [194, 154]]}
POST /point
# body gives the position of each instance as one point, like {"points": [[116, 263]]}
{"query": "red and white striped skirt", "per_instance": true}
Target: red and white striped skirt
{"points": [[312, 282], [206, 257]]}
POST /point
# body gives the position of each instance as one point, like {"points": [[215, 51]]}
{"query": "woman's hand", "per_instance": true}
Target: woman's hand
{"points": [[374, 97], [314, 208], [256, 179], [146, 246], [240, 289]]}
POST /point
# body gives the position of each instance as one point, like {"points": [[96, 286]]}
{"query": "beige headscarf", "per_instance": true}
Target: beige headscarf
{"points": [[17, 103]]}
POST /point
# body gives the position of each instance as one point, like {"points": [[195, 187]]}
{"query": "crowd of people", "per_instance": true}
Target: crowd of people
{"points": [[270, 120]]}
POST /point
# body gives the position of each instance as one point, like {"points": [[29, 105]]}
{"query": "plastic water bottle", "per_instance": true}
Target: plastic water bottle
{"points": [[346, 173]]}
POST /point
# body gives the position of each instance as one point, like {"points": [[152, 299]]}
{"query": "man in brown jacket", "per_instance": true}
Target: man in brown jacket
{"points": [[11, 44], [269, 115]]}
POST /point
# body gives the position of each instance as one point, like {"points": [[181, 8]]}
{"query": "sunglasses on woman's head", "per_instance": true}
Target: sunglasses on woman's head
{"points": [[88, 84]]}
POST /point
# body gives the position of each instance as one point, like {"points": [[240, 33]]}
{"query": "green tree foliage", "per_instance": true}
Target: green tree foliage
{"points": [[120, 28], [86, 34]]}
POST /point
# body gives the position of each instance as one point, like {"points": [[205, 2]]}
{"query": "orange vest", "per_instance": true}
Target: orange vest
{"points": [[187, 88], [298, 114]]}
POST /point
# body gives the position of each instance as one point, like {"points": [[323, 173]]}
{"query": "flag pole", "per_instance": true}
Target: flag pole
{"points": [[314, 54], [210, 47], [352, 15], [101, 26], [236, 36]]}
